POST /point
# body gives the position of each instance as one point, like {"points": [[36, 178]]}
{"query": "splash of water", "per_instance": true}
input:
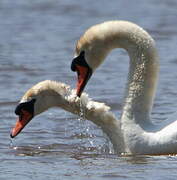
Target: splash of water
{"points": [[107, 146], [12, 145], [83, 127]]}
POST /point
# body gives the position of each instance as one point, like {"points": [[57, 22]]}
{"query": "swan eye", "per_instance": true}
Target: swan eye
{"points": [[27, 106]]}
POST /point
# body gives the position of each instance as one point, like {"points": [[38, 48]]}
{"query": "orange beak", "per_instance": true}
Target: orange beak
{"points": [[22, 121], [84, 74]]}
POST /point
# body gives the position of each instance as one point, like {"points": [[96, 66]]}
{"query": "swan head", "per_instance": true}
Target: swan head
{"points": [[87, 58], [25, 112], [84, 72], [36, 100], [86, 61], [91, 49]]}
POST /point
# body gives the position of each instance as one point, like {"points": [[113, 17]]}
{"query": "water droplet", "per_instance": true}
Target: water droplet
{"points": [[11, 143], [15, 147], [84, 128]]}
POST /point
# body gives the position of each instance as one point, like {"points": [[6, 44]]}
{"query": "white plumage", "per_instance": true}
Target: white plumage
{"points": [[134, 132]]}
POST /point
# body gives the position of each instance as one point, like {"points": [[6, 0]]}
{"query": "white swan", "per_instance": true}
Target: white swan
{"points": [[134, 133], [47, 94], [139, 134]]}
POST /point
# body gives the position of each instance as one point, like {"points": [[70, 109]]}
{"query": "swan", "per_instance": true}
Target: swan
{"points": [[134, 133], [139, 134], [47, 94]]}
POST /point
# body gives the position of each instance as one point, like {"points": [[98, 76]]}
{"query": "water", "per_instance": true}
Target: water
{"points": [[37, 40]]}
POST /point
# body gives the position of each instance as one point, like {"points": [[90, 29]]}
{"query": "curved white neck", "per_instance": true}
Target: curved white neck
{"points": [[98, 113], [99, 40], [141, 83]]}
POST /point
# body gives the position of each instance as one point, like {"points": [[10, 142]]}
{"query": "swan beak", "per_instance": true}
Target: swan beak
{"points": [[84, 74], [22, 121]]}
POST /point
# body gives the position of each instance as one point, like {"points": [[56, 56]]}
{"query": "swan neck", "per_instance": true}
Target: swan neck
{"points": [[96, 112], [141, 82], [143, 66]]}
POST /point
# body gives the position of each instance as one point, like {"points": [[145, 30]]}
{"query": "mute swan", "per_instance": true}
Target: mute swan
{"points": [[134, 133], [47, 94], [139, 134]]}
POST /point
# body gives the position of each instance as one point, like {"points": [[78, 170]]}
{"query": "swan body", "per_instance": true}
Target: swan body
{"points": [[139, 134], [134, 132]]}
